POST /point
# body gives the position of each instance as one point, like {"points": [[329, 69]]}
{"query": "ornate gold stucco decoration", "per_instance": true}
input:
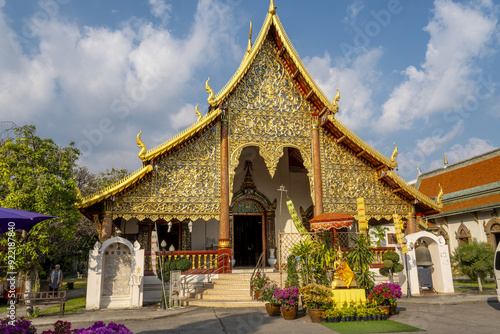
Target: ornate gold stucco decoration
{"points": [[336, 102], [394, 155], [211, 94], [346, 177], [141, 145], [249, 47], [183, 185], [198, 113], [439, 197], [268, 112]]}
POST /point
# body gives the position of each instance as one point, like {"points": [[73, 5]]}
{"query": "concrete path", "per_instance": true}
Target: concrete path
{"points": [[457, 313]]}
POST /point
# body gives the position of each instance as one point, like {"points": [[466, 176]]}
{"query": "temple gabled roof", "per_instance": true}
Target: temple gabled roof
{"points": [[320, 104], [467, 185]]}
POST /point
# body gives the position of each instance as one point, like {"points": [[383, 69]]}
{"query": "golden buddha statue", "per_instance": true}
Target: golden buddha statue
{"points": [[343, 277]]}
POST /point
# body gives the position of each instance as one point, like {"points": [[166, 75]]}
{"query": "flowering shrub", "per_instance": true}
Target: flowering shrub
{"points": [[267, 293], [60, 327], [288, 298], [316, 296], [385, 294], [258, 282], [20, 326], [100, 328]]}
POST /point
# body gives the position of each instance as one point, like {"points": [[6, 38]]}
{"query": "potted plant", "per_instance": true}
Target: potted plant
{"points": [[267, 295], [331, 315], [257, 283], [385, 295], [317, 299], [288, 299]]}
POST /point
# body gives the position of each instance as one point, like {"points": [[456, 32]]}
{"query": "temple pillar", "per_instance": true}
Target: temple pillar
{"points": [[224, 241], [316, 157], [107, 226], [411, 225]]}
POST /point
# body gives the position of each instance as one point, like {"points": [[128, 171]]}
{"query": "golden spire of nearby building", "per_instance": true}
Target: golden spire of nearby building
{"points": [[335, 102], [211, 94], [249, 47], [445, 160], [272, 8], [440, 196], [141, 146], [198, 113], [394, 154]]}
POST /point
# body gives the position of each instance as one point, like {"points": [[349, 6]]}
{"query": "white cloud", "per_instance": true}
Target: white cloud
{"points": [[425, 148], [354, 8], [160, 9], [185, 117], [475, 146], [131, 78], [459, 35], [355, 82]]}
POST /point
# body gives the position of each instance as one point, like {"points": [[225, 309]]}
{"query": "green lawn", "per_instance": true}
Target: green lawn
{"points": [[466, 285], [78, 282], [361, 327], [72, 306]]}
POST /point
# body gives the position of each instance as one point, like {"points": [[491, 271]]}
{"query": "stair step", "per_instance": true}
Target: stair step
{"points": [[234, 292], [231, 286], [233, 298], [222, 303]]}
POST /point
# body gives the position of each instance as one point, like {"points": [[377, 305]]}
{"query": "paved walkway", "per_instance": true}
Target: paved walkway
{"points": [[152, 312]]}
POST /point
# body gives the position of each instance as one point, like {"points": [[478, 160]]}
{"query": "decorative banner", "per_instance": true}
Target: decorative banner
{"points": [[363, 224], [399, 234], [154, 249], [296, 220]]}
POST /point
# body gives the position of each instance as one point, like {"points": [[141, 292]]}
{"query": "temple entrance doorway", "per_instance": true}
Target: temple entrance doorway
{"points": [[248, 236]]}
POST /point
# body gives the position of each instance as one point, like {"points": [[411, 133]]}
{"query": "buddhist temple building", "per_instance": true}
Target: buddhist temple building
{"points": [[470, 198], [215, 186]]}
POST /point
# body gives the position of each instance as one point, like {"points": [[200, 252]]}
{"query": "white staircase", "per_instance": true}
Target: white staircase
{"points": [[230, 290]]}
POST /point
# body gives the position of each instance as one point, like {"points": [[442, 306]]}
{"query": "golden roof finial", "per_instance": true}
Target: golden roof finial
{"points": [[394, 154], [249, 47], [445, 160], [272, 8], [198, 113], [336, 101], [141, 145], [211, 94], [440, 196]]}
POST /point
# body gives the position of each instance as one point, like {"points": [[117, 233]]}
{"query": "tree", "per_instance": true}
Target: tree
{"points": [[475, 260], [391, 265], [37, 175]]}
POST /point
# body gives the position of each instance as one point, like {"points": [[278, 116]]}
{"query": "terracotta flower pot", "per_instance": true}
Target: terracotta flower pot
{"points": [[289, 314], [273, 310], [257, 295], [315, 314], [384, 309]]}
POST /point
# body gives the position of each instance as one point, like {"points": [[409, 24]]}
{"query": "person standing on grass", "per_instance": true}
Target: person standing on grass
{"points": [[55, 278]]}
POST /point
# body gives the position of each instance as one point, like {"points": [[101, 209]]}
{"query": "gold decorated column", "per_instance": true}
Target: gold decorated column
{"points": [[316, 155], [107, 223], [411, 226], [224, 185]]}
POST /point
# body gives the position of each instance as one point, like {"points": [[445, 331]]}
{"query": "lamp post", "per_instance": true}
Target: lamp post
{"points": [[164, 299], [410, 246]]}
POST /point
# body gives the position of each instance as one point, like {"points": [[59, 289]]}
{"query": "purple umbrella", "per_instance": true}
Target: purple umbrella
{"points": [[19, 219]]}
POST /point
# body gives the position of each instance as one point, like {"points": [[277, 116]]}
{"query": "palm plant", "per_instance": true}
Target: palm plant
{"points": [[360, 259]]}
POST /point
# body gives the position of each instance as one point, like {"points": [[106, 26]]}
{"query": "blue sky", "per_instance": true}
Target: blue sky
{"points": [[423, 74]]}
